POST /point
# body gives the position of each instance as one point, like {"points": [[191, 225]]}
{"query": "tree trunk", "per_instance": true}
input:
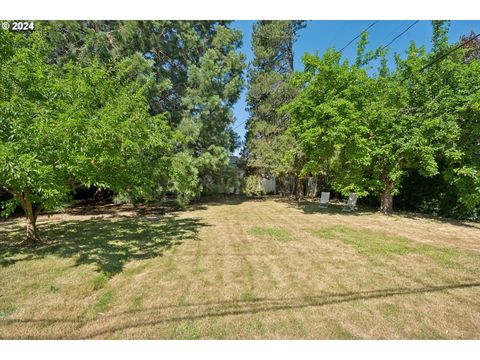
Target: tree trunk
{"points": [[386, 200], [32, 234], [298, 187], [31, 214]]}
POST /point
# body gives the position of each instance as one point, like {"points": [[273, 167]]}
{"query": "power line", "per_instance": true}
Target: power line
{"points": [[448, 53], [351, 41], [441, 57], [403, 32], [243, 122], [356, 37], [395, 38]]}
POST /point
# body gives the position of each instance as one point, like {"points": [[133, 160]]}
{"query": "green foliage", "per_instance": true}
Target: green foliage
{"points": [[274, 233], [269, 88], [138, 107], [62, 127], [196, 72], [184, 178], [367, 132], [253, 186]]}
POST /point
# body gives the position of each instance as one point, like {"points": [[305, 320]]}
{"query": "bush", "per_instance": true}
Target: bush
{"points": [[253, 186]]}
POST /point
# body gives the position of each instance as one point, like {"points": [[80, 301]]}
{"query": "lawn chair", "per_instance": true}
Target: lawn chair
{"points": [[324, 199], [351, 202]]}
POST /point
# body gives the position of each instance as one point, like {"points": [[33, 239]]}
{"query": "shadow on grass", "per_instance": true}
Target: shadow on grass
{"points": [[107, 243], [262, 305], [219, 200], [241, 307], [312, 207], [437, 219]]}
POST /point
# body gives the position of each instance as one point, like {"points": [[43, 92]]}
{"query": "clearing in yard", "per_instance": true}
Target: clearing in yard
{"points": [[254, 269]]}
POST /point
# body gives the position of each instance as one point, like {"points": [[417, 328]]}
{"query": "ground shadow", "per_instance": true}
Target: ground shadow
{"points": [[218, 200], [313, 207], [107, 243], [437, 219], [261, 305], [212, 309]]}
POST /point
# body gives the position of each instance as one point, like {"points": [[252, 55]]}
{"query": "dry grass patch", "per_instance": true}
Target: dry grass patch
{"points": [[242, 270]]}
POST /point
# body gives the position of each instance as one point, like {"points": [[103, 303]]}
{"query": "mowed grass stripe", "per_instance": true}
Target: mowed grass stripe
{"points": [[226, 283]]}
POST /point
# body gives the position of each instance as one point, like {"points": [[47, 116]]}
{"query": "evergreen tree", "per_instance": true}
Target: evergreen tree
{"points": [[269, 89], [197, 71]]}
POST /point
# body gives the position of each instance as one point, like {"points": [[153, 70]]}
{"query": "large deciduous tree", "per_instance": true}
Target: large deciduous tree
{"points": [[61, 127], [371, 129]]}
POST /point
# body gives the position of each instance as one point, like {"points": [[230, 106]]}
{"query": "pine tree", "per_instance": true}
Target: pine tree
{"points": [[269, 89], [197, 72]]}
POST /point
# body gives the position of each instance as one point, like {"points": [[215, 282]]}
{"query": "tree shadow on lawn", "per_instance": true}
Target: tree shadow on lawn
{"points": [[219, 200], [437, 219], [312, 207], [107, 243]]}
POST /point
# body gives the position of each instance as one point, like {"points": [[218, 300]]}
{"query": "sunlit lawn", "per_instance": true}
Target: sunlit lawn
{"points": [[265, 269]]}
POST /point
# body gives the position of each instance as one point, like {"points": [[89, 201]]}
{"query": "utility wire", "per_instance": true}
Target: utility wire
{"points": [[448, 53], [394, 39], [441, 57], [403, 32], [343, 48], [243, 122], [356, 37]]}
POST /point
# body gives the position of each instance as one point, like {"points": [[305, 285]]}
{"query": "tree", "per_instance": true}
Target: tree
{"points": [[197, 77], [269, 88], [372, 129], [75, 124], [472, 46]]}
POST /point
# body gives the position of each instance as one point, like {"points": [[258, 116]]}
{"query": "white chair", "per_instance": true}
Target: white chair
{"points": [[351, 202], [324, 199]]}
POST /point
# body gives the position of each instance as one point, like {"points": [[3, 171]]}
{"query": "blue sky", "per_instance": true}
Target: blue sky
{"points": [[321, 35]]}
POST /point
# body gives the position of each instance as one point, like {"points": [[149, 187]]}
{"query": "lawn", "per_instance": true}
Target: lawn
{"points": [[258, 269]]}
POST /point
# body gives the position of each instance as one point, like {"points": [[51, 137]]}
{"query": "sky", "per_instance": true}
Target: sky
{"points": [[320, 35]]}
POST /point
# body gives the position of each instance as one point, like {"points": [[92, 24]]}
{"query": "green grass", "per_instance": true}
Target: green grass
{"points": [[234, 271], [373, 244], [103, 302], [7, 311], [186, 330], [273, 233], [99, 281]]}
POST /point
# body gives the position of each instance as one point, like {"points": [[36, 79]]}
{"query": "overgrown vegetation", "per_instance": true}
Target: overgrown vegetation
{"points": [[369, 131], [375, 133], [141, 108]]}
